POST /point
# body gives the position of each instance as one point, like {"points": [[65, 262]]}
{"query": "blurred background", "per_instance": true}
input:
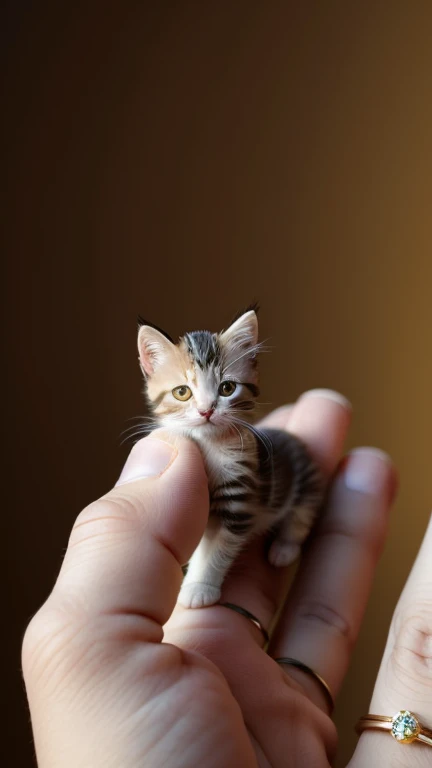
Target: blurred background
{"points": [[180, 160]]}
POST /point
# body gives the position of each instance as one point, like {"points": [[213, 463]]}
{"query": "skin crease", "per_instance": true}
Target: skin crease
{"points": [[104, 691]]}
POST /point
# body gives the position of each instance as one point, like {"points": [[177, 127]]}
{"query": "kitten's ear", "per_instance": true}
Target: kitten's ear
{"points": [[243, 332], [153, 348]]}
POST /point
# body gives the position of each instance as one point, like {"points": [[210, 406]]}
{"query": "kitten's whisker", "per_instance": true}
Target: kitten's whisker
{"points": [[137, 426], [140, 432], [144, 416], [131, 436], [264, 440], [241, 437], [132, 439], [129, 429]]}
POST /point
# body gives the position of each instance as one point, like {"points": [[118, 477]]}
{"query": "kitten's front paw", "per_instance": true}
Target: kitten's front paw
{"points": [[198, 595], [283, 553]]}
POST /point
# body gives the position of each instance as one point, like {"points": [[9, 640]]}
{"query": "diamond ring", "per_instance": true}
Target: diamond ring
{"points": [[404, 726]]}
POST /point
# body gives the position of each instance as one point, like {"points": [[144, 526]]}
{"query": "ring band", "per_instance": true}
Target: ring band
{"points": [[248, 615], [311, 672], [404, 726]]}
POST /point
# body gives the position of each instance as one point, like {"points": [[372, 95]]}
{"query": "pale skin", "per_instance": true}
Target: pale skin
{"points": [[119, 676]]}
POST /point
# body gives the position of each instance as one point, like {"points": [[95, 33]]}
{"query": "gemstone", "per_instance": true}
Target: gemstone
{"points": [[405, 727]]}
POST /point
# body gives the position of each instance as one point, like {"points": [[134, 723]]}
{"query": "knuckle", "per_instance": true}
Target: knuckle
{"points": [[310, 728], [324, 616], [33, 637], [60, 638], [43, 639], [62, 628], [411, 657], [116, 514]]}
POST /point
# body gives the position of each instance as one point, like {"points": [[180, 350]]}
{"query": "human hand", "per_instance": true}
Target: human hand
{"points": [[404, 680], [105, 690]]}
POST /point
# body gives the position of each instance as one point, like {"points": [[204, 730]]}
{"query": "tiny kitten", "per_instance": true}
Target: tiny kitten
{"points": [[260, 479]]}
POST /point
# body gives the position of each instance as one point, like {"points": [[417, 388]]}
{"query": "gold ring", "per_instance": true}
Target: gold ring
{"points": [[404, 726], [250, 616], [311, 672]]}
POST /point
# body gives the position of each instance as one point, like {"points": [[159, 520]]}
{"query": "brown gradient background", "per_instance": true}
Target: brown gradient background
{"points": [[180, 160]]}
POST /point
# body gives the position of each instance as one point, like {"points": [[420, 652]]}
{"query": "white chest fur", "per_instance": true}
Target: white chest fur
{"points": [[225, 460]]}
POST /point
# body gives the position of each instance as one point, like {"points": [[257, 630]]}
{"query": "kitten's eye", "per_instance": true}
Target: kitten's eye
{"points": [[227, 388], [182, 393]]}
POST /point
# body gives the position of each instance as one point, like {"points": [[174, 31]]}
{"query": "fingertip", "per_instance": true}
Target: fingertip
{"points": [[281, 417], [321, 418], [328, 394], [371, 471], [373, 452], [278, 418], [150, 457], [153, 455]]}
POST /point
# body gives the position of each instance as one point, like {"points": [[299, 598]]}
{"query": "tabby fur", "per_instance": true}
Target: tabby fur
{"points": [[260, 480]]}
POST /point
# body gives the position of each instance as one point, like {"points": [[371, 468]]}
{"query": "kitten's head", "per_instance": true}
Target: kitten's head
{"points": [[206, 381]]}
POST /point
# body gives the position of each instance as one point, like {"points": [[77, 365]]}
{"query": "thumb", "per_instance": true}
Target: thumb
{"points": [[126, 549], [117, 586]]}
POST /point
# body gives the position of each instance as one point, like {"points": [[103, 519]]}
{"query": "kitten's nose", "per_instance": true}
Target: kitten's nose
{"points": [[207, 414]]}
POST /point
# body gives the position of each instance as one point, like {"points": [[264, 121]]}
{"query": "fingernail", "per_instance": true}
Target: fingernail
{"points": [[148, 458], [368, 470], [328, 394]]}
